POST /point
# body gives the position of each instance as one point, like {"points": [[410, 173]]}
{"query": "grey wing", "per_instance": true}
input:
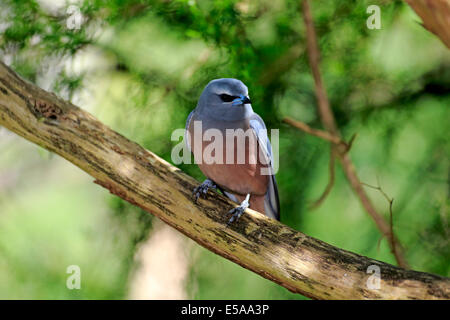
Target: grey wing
{"points": [[186, 140], [271, 201]]}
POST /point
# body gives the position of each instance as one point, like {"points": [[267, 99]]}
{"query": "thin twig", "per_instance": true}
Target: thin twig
{"points": [[325, 135], [391, 203], [331, 176], [378, 187], [329, 123]]}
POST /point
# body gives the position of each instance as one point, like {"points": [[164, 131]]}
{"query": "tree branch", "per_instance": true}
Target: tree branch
{"points": [[391, 203], [329, 123], [331, 177], [265, 246], [435, 15], [325, 135]]}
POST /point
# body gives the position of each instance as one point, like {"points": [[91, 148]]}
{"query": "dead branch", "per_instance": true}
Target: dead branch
{"points": [[329, 123]]}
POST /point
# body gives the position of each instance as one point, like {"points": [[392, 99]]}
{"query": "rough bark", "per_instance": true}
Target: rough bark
{"points": [[267, 247]]}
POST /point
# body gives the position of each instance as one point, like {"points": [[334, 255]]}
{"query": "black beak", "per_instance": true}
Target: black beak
{"points": [[246, 100]]}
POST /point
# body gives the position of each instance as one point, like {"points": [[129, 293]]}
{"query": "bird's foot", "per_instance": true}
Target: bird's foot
{"points": [[202, 189], [238, 211]]}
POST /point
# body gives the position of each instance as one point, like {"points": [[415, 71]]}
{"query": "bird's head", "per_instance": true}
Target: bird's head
{"points": [[225, 99]]}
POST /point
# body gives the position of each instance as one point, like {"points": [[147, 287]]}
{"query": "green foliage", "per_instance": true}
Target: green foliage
{"points": [[140, 66]]}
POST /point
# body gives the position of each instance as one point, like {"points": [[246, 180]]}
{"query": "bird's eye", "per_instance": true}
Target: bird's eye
{"points": [[227, 98]]}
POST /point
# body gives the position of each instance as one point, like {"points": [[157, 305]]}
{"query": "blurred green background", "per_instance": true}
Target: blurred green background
{"points": [[140, 66]]}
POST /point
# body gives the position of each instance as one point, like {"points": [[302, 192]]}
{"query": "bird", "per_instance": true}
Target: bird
{"points": [[224, 111]]}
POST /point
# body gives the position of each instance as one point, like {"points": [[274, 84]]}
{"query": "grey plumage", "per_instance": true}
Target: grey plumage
{"points": [[272, 202], [224, 104]]}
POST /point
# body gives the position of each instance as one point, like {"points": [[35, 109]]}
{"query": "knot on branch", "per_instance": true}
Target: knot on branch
{"points": [[46, 110], [4, 91]]}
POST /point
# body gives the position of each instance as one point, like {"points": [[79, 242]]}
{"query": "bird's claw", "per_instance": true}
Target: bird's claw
{"points": [[236, 214], [238, 211], [202, 189]]}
